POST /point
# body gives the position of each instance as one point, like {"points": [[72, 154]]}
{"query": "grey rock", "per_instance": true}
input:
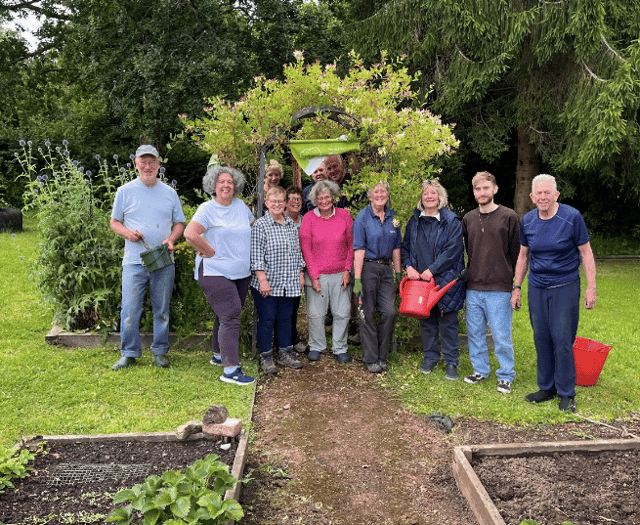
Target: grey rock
{"points": [[215, 415], [192, 427]]}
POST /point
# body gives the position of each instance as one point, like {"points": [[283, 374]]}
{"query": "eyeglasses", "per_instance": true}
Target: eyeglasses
{"points": [[275, 202], [294, 199], [147, 163]]}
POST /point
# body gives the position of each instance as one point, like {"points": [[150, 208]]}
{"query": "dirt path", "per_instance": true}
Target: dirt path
{"points": [[331, 446]]}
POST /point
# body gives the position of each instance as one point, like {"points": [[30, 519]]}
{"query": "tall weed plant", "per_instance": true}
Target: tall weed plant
{"points": [[77, 265], [77, 268]]}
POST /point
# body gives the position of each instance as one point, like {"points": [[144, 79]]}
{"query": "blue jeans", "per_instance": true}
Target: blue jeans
{"points": [[134, 283], [273, 311], [494, 308], [554, 314]]}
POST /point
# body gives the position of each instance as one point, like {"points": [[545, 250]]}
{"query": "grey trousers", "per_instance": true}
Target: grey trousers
{"points": [[317, 307], [378, 293]]}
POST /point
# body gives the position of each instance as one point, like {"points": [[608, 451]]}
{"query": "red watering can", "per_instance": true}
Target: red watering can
{"points": [[419, 297]]}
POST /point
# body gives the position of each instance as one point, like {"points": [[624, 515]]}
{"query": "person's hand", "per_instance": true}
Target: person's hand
{"points": [[169, 244], [315, 284], [357, 287], [398, 278], [346, 279], [412, 273], [590, 298], [426, 275], [265, 288], [301, 281], [135, 236], [206, 254], [516, 298]]}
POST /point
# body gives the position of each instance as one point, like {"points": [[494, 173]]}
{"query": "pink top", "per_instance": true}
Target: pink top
{"points": [[327, 244]]}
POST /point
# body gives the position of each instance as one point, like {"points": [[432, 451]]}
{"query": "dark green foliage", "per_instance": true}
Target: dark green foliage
{"points": [[563, 76], [193, 497]]}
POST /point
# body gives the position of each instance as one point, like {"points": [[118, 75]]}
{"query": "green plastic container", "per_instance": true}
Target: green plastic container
{"points": [[156, 258]]}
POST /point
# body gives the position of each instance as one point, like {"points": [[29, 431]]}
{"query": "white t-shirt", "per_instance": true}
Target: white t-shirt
{"points": [[151, 210], [228, 231]]}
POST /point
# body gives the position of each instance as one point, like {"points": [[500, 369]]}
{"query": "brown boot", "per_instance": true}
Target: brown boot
{"points": [[267, 364], [287, 358]]}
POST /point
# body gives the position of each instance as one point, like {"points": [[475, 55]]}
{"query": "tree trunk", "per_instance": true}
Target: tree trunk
{"points": [[527, 168]]}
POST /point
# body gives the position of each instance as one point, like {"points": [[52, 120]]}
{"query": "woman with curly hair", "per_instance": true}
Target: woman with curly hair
{"points": [[220, 232]]}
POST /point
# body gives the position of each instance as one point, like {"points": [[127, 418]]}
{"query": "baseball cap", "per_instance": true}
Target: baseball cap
{"points": [[147, 149]]}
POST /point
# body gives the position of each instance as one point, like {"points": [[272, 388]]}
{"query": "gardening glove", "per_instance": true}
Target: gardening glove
{"points": [[357, 287]]}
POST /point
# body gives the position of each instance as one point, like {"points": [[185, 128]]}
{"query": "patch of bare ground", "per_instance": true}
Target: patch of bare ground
{"points": [[331, 446], [75, 482]]}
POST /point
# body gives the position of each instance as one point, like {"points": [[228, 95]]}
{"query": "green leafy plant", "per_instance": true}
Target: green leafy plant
{"points": [[13, 466], [398, 143], [181, 498], [79, 259], [77, 268]]}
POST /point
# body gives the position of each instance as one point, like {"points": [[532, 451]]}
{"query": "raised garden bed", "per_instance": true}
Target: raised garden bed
{"points": [[79, 473], [581, 482], [57, 336]]}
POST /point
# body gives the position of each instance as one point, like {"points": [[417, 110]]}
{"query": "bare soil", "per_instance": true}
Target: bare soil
{"points": [[589, 489], [46, 498], [333, 447]]}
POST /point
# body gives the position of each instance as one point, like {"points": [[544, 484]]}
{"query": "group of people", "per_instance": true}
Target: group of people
{"points": [[335, 260]]}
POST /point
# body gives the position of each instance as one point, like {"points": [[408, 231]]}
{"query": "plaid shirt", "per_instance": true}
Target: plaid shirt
{"points": [[275, 249]]}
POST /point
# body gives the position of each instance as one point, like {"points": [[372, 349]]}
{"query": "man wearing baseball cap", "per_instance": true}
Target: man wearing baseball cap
{"points": [[147, 213]]}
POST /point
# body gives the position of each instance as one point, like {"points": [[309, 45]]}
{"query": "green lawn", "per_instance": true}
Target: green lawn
{"points": [[55, 390], [614, 321]]}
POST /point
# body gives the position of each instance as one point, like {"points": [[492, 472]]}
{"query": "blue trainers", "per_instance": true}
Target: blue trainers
{"points": [[237, 378], [216, 360], [313, 355]]}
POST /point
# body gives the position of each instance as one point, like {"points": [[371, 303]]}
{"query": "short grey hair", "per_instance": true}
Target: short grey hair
{"points": [[211, 178], [544, 176], [443, 198], [382, 183], [324, 186]]}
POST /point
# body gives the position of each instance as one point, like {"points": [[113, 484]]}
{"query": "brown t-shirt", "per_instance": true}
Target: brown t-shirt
{"points": [[493, 244]]}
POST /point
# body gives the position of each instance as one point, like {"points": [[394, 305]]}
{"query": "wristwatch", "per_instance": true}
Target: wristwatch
{"points": [[517, 287]]}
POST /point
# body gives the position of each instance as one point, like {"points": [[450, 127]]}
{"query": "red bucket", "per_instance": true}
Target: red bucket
{"points": [[589, 357]]}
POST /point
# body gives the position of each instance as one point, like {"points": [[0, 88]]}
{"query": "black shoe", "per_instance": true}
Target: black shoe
{"points": [[451, 373], [374, 368], [474, 378], [162, 361], [343, 358], [541, 396], [313, 355], [427, 366], [124, 362], [568, 404]]}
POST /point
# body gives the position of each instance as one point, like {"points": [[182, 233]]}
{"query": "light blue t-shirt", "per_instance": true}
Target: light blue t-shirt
{"points": [[228, 231], [152, 211]]}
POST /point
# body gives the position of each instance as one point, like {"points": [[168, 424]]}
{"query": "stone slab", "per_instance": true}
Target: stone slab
{"points": [[471, 487]]}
